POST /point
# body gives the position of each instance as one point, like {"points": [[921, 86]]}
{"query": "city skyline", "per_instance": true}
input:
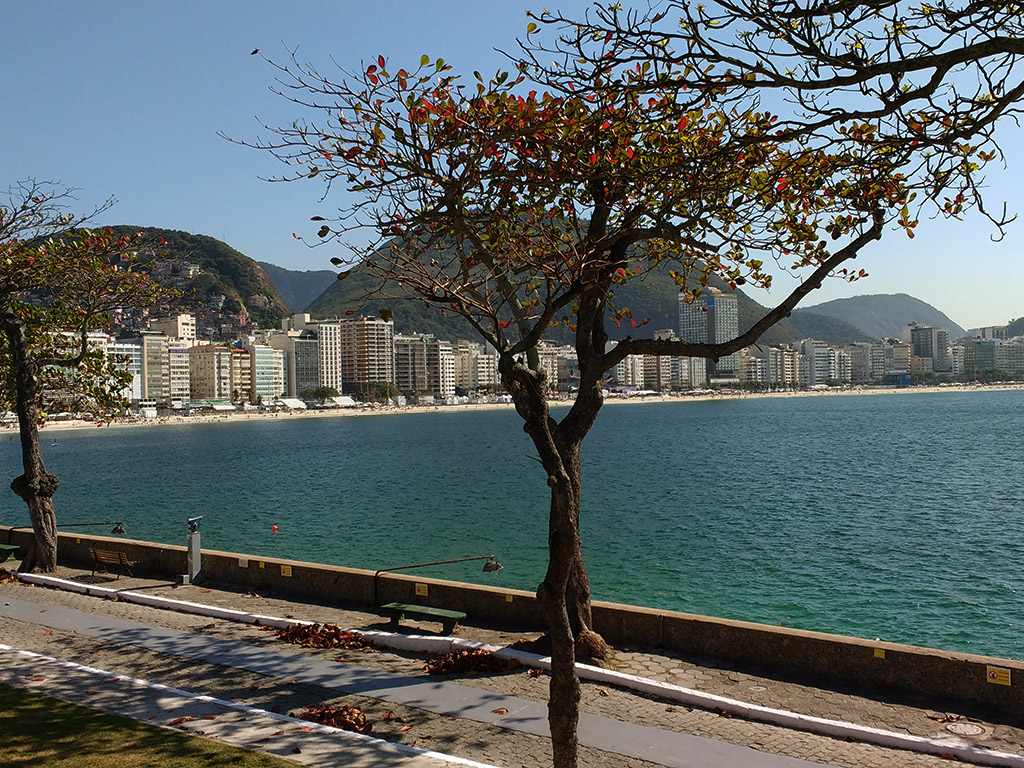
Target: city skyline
{"points": [[127, 100]]}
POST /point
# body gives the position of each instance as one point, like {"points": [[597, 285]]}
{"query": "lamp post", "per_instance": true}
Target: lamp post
{"points": [[491, 566]]}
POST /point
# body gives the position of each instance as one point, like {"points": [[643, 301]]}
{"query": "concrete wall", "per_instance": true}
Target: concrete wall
{"points": [[826, 659]]}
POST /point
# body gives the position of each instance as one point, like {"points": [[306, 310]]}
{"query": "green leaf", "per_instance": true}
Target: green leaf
{"points": [[424, 60]]}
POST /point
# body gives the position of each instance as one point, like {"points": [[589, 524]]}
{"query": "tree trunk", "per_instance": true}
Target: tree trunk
{"points": [[36, 486], [564, 691], [564, 595]]}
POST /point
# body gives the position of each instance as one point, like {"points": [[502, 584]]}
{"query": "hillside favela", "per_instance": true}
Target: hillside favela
{"points": [[626, 385]]}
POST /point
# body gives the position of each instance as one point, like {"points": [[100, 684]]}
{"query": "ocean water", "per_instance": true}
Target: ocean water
{"points": [[897, 516]]}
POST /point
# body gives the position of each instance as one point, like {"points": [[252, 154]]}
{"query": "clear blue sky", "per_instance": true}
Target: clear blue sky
{"points": [[125, 99]]}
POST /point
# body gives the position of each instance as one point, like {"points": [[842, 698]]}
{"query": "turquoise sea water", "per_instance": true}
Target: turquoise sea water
{"points": [[891, 516]]}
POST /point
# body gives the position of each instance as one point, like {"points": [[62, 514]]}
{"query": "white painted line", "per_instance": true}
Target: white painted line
{"points": [[689, 696], [308, 724]]}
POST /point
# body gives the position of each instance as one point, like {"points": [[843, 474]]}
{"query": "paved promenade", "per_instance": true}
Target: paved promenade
{"points": [[491, 719]]}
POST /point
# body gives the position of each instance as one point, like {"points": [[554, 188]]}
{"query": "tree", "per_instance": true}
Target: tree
{"points": [[58, 283], [320, 393], [519, 210]]}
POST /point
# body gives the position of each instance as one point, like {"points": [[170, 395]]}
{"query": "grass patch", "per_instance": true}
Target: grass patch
{"points": [[40, 732]]}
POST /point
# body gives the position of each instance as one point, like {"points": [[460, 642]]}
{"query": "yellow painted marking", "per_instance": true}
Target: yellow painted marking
{"points": [[421, 590], [879, 653], [286, 570]]}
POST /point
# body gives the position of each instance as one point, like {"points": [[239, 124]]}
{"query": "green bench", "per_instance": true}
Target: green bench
{"points": [[8, 551], [398, 611]]}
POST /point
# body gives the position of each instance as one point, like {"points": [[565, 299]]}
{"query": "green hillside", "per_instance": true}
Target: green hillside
{"points": [[298, 288], [885, 315], [824, 328], [226, 272]]}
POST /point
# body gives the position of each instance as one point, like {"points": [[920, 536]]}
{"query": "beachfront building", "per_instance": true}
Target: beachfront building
{"points": [[367, 353], [411, 363], [840, 365], [266, 373], [816, 364], [440, 361], [299, 360], [712, 318], [127, 354], [629, 373], [929, 342], [867, 361], [210, 372], [329, 341], [241, 373], [179, 371], [897, 357]]}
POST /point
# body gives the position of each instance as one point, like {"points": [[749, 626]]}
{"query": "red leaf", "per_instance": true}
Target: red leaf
{"points": [[48, 632], [682, 123], [593, 159], [783, 183], [380, 61], [606, 125], [405, 728], [350, 311]]}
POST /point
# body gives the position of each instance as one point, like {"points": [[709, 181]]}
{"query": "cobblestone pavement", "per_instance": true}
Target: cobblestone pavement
{"points": [[476, 740]]}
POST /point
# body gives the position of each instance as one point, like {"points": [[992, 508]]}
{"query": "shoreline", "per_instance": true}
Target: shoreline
{"points": [[228, 418]]}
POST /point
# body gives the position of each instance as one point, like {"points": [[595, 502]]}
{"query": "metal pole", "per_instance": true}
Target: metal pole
{"points": [[423, 565]]}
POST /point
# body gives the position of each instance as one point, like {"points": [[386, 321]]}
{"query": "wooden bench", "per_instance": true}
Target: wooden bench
{"points": [[8, 551], [398, 611], [105, 557]]}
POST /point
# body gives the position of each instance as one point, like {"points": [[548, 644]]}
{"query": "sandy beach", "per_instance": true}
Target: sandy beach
{"points": [[380, 410]]}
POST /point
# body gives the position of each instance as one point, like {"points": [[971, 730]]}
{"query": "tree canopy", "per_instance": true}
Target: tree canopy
{"points": [[59, 283]]}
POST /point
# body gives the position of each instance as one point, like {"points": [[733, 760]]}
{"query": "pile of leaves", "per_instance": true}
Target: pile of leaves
{"points": [[469, 661], [345, 717], [322, 636], [6, 576]]}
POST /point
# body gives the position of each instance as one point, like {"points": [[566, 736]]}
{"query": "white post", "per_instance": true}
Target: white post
{"points": [[195, 563]]}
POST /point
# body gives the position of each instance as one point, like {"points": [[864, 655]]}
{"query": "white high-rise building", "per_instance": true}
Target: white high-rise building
{"points": [[179, 372], [128, 354], [266, 371], [712, 318]]}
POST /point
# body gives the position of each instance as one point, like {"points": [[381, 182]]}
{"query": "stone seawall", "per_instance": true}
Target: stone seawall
{"points": [[822, 658]]}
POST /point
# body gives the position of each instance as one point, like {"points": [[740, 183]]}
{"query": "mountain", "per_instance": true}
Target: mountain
{"points": [[824, 328], [1015, 328], [242, 282], [884, 315], [297, 288], [654, 296]]}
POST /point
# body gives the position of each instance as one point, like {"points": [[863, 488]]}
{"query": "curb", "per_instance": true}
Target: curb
{"points": [[688, 696]]}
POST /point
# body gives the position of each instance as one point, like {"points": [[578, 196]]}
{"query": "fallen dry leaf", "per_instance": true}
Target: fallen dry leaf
{"points": [[602, 691], [500, 711], [346, 717], [405, 728]]}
